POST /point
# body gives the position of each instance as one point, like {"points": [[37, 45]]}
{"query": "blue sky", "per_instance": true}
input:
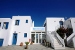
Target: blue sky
{"points": [[37, 9]]}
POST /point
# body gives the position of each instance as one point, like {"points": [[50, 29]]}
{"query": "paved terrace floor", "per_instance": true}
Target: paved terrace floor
{"points": [[31, 47]]}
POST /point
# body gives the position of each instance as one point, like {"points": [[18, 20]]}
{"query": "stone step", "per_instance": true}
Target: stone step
{"points": [[59, 48], [57, 45]]}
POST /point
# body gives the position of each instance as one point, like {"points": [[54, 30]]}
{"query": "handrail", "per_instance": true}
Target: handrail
{"points": [[51, 39], [60, 39], [70, 37]]}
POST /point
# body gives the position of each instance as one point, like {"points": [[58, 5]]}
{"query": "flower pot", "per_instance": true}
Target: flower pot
{"points": [[31, 43], [26, 45], [21, 44]]}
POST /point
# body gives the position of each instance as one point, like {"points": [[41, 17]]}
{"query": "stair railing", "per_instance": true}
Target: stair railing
{"points": [[60, 39], [51, 39], [70, 38], [58, 36]]}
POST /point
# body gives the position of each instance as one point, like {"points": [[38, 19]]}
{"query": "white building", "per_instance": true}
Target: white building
{"points": [[4, 31], [51, 24], [70, 24], [21, 29]]}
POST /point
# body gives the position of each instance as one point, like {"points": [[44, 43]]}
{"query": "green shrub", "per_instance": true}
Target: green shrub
{"points": [[60, 32], [26, 43]]}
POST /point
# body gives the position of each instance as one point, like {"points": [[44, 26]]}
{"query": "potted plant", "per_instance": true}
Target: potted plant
{"points": [[26, 45]]}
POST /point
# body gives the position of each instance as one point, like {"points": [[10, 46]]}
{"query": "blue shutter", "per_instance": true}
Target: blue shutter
{"points": [[17, 22], [6, 25], [26, 21], [25, 34]]}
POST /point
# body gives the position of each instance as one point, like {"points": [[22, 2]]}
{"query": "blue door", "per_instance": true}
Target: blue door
{"points": [[14, 39], [1, 42]]}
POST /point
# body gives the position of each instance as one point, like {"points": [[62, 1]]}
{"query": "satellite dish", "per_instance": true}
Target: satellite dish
{"points": [[65, 18]]}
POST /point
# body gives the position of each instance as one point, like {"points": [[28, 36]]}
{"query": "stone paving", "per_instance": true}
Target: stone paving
{"points": [[31, 47]]}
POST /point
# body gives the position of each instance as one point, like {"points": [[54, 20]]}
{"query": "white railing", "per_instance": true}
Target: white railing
{"points": [[51, 39], [60, 39], [70, 38]]}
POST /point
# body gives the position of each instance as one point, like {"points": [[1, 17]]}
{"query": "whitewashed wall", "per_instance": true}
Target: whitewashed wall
{"points": [[73, 24], [21, 29], [73, 42], [4, 34], [68, 23], [52, 23]]}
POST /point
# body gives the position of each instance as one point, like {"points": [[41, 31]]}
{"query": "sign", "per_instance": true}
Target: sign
{"points": [[38, 28]]}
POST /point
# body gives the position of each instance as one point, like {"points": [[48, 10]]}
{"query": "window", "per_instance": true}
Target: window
{"points": [[26, 21], [43, 32], [25, 34], [44, 24], [5, 25], [38, 32], [61, 22], [17, 22], [70, 21], [0, 24], [32, 32]]}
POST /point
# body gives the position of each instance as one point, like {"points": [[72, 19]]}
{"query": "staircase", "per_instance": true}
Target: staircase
{"points": [[70, 40], [57, 45], [55, 42]]}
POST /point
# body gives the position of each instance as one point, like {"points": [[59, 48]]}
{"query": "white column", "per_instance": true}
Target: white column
{"points": [[35, 37], [41, 37], [38, 37]]}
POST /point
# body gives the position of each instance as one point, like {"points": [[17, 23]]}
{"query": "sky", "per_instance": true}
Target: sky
{"points": [[37, 9]]}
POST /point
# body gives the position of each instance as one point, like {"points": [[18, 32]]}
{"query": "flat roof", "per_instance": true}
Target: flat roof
{"points": [[5, 18], [54, 17], [37, 31]]}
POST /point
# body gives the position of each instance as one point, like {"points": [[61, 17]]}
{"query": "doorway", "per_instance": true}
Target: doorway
{"points": [[14, 39], [33, 38], [1, 42], [40, 38], [37, 38]]}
